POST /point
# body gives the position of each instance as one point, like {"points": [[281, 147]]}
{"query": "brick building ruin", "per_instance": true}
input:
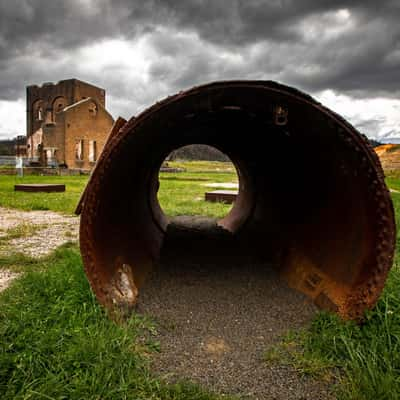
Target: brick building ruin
{"points": [[67, 124]]}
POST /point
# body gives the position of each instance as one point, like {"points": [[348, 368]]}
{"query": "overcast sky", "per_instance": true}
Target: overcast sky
{"points": [[344, 53]]}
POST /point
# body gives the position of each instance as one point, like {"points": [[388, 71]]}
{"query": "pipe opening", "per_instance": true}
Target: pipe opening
{"points": [[312, 199], [181, 196]]}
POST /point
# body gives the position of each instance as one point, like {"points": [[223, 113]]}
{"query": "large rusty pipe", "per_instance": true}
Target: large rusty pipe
{"points": [[312, 196]]}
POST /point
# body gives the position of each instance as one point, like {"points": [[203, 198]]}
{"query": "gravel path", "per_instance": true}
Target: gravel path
{"points": [[216, 320], [53, 230]]}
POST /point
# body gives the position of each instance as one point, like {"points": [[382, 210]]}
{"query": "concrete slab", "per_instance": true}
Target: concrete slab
{"points": [[222, 196], [40, 187], [224, 185]]}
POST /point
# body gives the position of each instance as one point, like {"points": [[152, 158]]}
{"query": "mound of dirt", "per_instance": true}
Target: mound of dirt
{"points": [[389, 155]]}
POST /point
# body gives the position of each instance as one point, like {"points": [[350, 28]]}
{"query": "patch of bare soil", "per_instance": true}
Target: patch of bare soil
{"points": [[389, 156], [51, 230], [218, 316], [6, 277]]}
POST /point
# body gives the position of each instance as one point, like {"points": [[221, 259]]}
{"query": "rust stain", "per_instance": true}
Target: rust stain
{"points": [[330, 233]]}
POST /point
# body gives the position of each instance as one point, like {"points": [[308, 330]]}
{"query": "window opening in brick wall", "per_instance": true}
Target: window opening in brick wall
{"points": [[79, 150], [92, 151]]}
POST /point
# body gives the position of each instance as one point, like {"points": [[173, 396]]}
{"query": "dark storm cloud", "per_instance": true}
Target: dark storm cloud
{"points": [[31, 30], [240, 22], [352, 47], [362, 59], [365, 59], [45, 25]]}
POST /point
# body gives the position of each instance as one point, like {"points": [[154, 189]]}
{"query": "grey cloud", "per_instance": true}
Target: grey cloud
{"points": [[363, 58], [362, 61], [196, 41], [370, 126], [240, 22]]}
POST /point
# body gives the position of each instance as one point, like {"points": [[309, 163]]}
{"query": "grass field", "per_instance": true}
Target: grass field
{"points": [[62, 202], [56, 342], [180, 193]]}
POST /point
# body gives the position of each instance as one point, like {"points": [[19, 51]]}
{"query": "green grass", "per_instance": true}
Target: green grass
{"points": [[57, 343], [364, 358], [62, 202], [393, 183], [393, 180], [180, 193], [203, 166], [183, 193]]}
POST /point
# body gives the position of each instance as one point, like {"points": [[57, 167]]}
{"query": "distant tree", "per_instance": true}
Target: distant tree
{"points": [[374, 143], [7, 147]]}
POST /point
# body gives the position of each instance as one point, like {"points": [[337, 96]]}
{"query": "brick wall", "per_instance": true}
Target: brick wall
{"points": [[48, 95], [82, 123]]}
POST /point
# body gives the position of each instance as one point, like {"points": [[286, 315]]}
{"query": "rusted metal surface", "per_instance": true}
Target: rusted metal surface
{"points": [[221, 196], [40, 187], [312, 198]]}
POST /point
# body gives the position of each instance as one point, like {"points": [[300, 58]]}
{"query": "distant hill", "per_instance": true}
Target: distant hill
{"points": [[374, 143], [7, 146], [198, 152]]}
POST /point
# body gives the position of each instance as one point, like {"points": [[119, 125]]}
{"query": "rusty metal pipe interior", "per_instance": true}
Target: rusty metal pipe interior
{"points": [[312, 198]]}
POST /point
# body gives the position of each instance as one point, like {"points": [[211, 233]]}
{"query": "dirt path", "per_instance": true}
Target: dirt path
{"points": [[217, 317], [34, 233]]}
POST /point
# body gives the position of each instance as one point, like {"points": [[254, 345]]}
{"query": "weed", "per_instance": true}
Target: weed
{"points": [[19, 231]]}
